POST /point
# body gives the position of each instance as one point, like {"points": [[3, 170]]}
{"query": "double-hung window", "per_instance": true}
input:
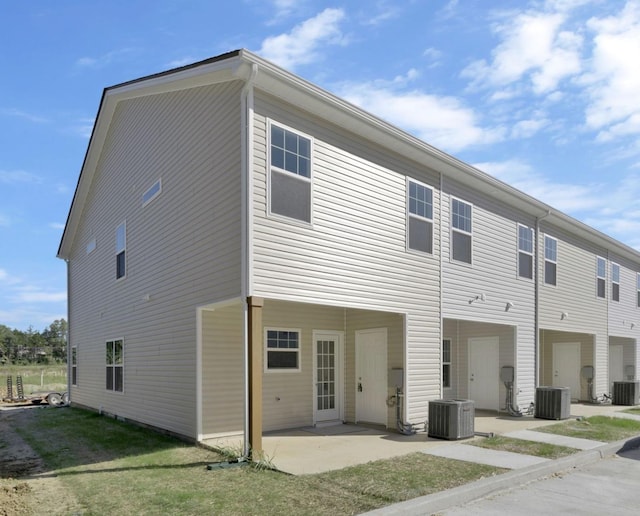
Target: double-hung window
{"points": [[461, 243], [550, 260], [525, 252], [290, 174], [74, 365], [121, 247], [283, 350], [601, 277], [115, 365], [615, 282], [419, 217], [638, 290], [446, 363]]}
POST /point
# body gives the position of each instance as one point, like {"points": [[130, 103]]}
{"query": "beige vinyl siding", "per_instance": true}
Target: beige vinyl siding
{"points": [[575, 295], [183, 250], [223, 370], [624, 313], [494, 273], [354, 255]]}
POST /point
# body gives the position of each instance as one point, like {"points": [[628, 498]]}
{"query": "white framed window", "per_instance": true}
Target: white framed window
{"points": [[115, 365], [154, 191], [282, 349], [290, 177], [121, 248], [615, 282], [525, 252], [461, 231], [419, 217], [74, 365], [91, 246], [638, 290], [601, 277], [550, 260], [446, 363]]}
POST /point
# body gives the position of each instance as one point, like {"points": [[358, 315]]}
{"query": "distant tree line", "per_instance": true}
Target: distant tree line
{"points": [[34, 347]]}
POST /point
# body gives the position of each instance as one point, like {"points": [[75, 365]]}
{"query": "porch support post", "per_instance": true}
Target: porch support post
{"points": [[254, 331]]}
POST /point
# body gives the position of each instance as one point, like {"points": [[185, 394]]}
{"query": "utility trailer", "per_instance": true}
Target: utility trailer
{"points": [[55, 399]]}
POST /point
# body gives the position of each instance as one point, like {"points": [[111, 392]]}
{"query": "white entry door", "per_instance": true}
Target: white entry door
{"points": [[371, 376], [327, 377], [566, 367], [484, 378], [616, 364]]}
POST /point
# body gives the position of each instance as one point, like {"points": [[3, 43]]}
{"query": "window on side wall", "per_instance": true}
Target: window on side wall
{"points": [[290, 174], [601, 277], [121, 247], [638, 290], [74, 365], [282, 350], [115, 365], [550, 260], [419, 217], [446, 363], [615, 282], [461, 236], [525, 252]]}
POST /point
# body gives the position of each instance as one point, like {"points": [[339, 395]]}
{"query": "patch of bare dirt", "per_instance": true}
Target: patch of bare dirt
{"points": [[26, 487]]}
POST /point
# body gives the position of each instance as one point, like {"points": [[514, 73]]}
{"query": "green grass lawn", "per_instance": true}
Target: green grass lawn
{"points": [[545, 450], [634, 410], [117, 468], [596, 428]]}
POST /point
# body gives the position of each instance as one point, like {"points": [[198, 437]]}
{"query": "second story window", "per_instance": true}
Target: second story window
{"points": [[290, 174], [615, 282], [419, 217], [638, 290], [525, 252], [601, 277], [121, 247], [550, 260], [461, 243]]}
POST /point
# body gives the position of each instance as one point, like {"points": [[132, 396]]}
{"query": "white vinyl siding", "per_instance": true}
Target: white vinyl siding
{"points": [[601, 277], [419, 217], [192, 140]]}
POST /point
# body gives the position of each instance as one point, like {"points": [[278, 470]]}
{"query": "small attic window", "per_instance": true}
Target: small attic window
{"points": [[91, 245], [152, 192]]}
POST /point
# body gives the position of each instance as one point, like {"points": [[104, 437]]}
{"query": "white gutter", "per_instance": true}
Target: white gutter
{"points": [[246, 99]]}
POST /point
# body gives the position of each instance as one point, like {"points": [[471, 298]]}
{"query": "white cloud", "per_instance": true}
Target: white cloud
{"points": [[528, 128], [613, 81], [18, 176], [439, 120], [22, 114], [300, 46], [35, 295], [105, 59], [4, 223], [56, 225], [382, 12], [533, 49]]}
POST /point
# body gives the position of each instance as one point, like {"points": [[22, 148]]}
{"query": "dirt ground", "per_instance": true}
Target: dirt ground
{"points": [[26, 487]]}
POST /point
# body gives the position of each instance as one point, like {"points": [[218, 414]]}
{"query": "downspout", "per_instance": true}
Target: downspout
{"points": [[440, 279], [246, 99], [536, 322], [68, 336]]}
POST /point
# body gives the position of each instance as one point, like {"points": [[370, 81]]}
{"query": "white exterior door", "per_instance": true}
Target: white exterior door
{"points": [[484, 378], [616, 364], [371, 376], [327, 377], [566, 367]]}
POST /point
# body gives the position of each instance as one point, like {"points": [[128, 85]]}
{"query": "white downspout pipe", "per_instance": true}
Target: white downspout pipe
{"points": [[68, 336], [246, 99]]}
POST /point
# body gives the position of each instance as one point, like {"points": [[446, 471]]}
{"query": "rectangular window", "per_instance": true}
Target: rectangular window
{"points": [[152, 192], [91, 246], [121, 247], [615, 282], [638, 290], [283, 350], [601, 277], [74, 365], [525, 252], [446, 363], [290, 174], [419, 217], [115, 365], [461, 231], [550, 260]]}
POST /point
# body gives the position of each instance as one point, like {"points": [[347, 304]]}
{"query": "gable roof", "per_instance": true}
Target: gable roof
{"points": [[238, 65]]}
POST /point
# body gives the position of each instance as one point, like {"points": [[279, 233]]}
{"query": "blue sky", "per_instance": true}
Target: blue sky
{"points": [[544, 95]]}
